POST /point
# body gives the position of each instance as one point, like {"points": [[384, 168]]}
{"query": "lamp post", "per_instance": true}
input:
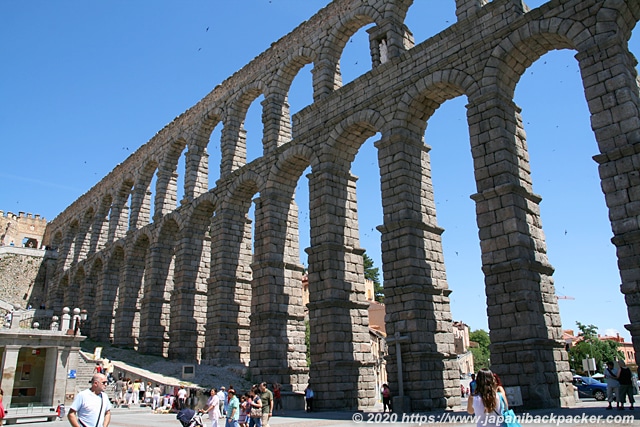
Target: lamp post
{"points": [[83, 317], [76, 321], [79, 317]]}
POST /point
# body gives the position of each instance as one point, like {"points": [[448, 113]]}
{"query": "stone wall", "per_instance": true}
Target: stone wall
{"points": [[186, 279], [23, 274], [21, 229]]}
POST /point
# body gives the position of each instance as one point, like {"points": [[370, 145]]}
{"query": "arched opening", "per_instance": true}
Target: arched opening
{"points": [[142, 197], [426, 19], [356, 56], [453, 183], [254, 129], [573, 210], [301, 90], [215, 155], [181, 171]]}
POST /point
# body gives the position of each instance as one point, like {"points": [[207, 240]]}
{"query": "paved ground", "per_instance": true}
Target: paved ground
{"points": [[585, 413]]}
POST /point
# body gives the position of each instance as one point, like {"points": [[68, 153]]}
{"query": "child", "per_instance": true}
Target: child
{"points": [[60, 411], [244, 411]]}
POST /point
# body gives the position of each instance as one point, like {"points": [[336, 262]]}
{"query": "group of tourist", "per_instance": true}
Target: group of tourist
{"points": [[488, 399], [128, 392], [619, 385], [253, 408]]}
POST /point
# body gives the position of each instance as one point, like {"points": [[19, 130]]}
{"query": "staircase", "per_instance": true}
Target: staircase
{"points": [[84, 373]]}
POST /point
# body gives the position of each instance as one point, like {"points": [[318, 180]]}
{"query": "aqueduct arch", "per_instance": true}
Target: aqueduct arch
{"points": [[193, 280]]}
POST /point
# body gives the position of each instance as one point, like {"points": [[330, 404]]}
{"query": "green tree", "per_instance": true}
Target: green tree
{"points": [[481, 353], [373, 273], [591, 345]]}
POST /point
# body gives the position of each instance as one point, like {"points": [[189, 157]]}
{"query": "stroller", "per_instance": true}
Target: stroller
{"points": [[189, 418]]}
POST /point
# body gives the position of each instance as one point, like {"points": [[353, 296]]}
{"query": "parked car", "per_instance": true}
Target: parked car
{"points": [[588, 387]]}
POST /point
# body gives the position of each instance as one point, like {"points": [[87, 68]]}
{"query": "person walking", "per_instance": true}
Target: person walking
{"points": [[155, 397], [626, 386], [212, 407], [472, 384], [611, 378], [182, 398], [91, 407], [267, 403], [136, 392], [277, 398], [308, 397], [386, 398], [233, 409], [487, 404], [119, 391], [141, 392], [222, 397], [256, 405]]}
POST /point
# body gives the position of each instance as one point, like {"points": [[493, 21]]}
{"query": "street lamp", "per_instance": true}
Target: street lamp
{"points": [[79, 317], [76, 321], [83, 317]]}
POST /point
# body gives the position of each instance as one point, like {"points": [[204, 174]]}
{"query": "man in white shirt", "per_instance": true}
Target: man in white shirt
{"points": [[222, 396], [182, 397], [91, 407], [613, 386]]}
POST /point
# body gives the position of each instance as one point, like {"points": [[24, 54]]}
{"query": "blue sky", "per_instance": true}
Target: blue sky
{"points": [[84, 84]]}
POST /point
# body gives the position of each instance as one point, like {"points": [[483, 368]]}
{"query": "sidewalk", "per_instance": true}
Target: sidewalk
{"points": [[584, 413]]}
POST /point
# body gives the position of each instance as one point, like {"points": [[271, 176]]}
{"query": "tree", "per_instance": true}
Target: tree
{"points": [[591, 345], [481, 353], [373, 274]]}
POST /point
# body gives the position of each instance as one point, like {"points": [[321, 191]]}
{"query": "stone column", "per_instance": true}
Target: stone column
{"points": [[140, 207], [102, 318], [188, 302], [9, 367], [415, 286], [166, 197], [99, 229], [50, 370], [67, 361], [83, 239], [233, 143], [278, 350], [118, 218], [127, 319], [154, 307], [342, 368], [614, 103], [524, 320], [67, 251], [396, 38], [229, 289], [196, 180], [276, 120], [326, 78]]}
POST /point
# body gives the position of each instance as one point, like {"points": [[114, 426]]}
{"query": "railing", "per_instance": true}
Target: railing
{"points": [[29, 408]]}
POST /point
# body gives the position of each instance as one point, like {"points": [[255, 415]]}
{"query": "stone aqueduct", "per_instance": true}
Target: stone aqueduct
{"points": [[183, 280]]}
